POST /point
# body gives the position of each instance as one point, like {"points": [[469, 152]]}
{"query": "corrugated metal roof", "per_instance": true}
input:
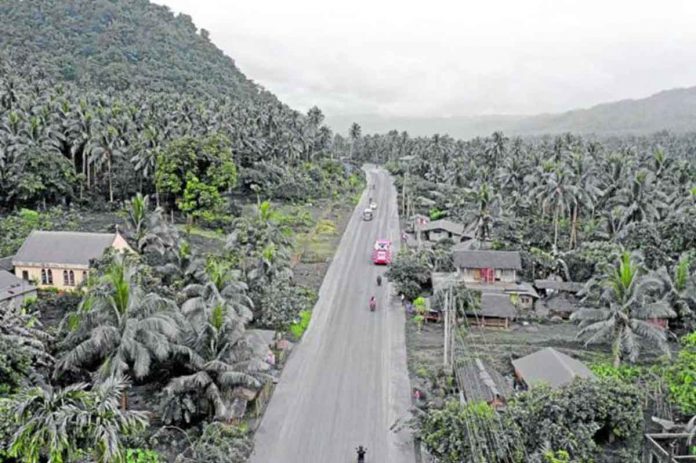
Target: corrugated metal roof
{"points": [[567, 286], [479, 382], [497, 305], [548, 366], [488, 259], [11, 286], [62, 248]]}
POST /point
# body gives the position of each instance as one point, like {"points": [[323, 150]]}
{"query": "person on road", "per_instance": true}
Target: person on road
{"points": [[369, 201], [373, 303], [361, 453], [379, 280]]}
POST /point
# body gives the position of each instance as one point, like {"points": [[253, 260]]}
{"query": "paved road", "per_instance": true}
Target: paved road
{"points": [[346, 383]]}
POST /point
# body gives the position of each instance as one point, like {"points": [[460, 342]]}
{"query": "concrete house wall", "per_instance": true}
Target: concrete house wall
{"points": [[62, 276]]}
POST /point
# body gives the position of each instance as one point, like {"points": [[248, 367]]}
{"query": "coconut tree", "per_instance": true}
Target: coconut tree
{"points": [[221, 357], [622, 303], [119, 328], [680, 289], [68, 424], [557, 194]]}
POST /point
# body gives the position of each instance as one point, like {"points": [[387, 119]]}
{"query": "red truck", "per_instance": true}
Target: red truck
{"points": [[381, 254]]}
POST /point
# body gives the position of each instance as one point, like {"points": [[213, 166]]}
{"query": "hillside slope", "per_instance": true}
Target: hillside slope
{"points": [[673, 110], [119, 44]]}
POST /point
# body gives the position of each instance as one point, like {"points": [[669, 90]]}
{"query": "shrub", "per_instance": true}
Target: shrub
{"points": [[468, 432], [142, 456], [681, 377], [300, 326], [577, 417], [410, 272]]}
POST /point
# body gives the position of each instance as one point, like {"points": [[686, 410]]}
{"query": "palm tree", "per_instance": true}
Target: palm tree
{"points": [[221, 358], [623, 303], [556, 194], [120, 327], [680, 289], [67, 424]]}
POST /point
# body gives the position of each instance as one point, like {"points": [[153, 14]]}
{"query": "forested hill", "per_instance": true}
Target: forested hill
{"points": [[120, 44], [101, 99], [673, 110]]}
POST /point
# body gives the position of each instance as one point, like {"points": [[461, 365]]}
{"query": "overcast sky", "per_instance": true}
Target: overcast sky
{"points": [[458, 57]]}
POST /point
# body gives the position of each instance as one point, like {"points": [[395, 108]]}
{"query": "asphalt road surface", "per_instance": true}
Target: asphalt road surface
{"points": [[346, 383]]}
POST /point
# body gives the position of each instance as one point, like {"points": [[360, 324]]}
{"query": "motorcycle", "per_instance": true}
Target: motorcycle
{"points": [[379, 280], [361, 453]]}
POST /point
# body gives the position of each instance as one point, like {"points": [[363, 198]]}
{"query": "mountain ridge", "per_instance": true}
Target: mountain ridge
{"points": [[672, 109]]}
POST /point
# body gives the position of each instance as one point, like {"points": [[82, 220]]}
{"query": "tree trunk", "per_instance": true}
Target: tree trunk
{"points": [[124, 401], [574, 228], [555, 228], [616, 348], [111, 186]]}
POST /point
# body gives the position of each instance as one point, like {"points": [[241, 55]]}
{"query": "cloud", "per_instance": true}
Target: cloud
{"points": [[459, 57]]}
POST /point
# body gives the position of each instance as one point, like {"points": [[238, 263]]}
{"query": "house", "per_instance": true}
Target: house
{"points": [[523, 295], [548, 366], [442, 229], [13, 289], [487, 266], [478, 382], [558, 297], [496, 310], [551, 287], [6, 263], [416, 221], [560, 305], [62, 259]]}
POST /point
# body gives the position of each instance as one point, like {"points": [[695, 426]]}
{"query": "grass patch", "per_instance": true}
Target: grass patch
{"points": [[298, 328], [202, 232]]}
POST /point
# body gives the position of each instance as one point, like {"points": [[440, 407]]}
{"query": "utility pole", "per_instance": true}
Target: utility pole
{"points": [[446, 344]]}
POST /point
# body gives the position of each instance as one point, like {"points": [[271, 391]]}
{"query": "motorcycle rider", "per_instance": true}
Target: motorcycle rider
{"points": [[361, 453], [373, 303], [379, 280]]}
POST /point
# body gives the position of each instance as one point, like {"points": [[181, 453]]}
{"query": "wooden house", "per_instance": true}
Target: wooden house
{"points": [[496, 311], [483, 266]]}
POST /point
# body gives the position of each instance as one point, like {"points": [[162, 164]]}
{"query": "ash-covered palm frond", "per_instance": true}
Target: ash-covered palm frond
{"points": [[60, 424], [119, 328], [624, 307]]}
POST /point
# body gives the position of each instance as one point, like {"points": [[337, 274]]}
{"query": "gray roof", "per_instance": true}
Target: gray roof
{"points": [[521, 288], [443, 224], [6, 263], [62, 248], [548, 366], [561, 303], [488, 259], [444, 280], [497, 305], [567, 286], [479, 382], [11, 286]]}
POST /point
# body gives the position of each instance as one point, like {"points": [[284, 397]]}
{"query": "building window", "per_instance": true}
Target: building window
{"points": [[68, 278], [25, 275], [49, 274], [44, 279]]}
